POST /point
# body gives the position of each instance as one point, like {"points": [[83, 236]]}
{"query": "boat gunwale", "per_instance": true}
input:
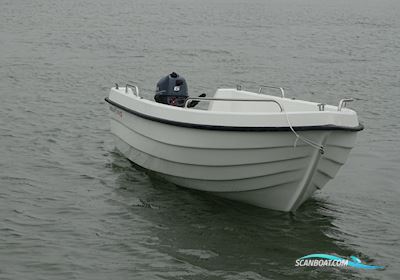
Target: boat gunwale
{"points": [[235, 128]]}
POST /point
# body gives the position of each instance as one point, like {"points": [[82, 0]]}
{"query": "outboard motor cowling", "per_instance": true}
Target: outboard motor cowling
{"points": [[172, 90]]}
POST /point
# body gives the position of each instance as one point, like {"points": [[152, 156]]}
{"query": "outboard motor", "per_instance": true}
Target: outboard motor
{"points": [[172, 90]]}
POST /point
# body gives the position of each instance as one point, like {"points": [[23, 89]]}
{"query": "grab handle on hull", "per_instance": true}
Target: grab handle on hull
{"points": [[189, 99], [343, 102], [135, 91], [281, 89]]}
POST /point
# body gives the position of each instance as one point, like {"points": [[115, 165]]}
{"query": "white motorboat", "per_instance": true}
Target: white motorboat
{"points": [[269, 151]]}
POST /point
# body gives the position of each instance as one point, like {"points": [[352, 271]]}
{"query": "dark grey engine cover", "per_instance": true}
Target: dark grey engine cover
{"points": [[172, 90]]}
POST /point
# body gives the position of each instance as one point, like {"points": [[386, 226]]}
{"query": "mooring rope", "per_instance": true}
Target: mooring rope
{"points": [[313, 144]]}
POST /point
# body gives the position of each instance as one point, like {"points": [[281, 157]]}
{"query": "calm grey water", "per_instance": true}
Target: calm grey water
{"points": [[72, 208]]}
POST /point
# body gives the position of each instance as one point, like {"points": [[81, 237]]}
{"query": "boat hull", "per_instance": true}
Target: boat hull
{"points": [[270, 169]]}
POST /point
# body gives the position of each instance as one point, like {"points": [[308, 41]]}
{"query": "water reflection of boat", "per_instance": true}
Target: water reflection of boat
{"points": [[242, 147], [222, 239]]}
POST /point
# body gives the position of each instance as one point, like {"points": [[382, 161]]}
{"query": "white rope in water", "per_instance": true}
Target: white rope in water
{"points": [[302, 138]]}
